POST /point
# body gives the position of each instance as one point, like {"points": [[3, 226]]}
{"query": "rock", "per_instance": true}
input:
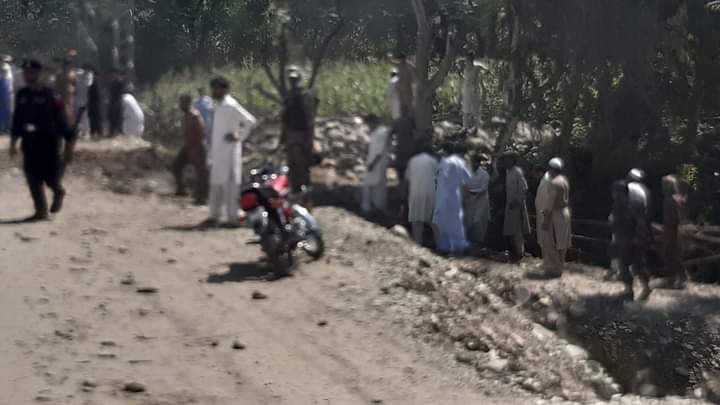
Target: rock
{"points": [[237, 345], [42, 398], [89, 383], [106, 355], [682, 371], [134, 387], [476, 345], [423, 263], [576, 352], [577, 310], [171, 260], [400, 231], [147, 290], [257, 295], [107, 343], [648, 390], [322, 323], [532, 385], [464, 358], [452, 272], [495, 363]]}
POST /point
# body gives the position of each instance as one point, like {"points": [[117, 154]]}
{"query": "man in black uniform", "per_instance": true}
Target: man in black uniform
{"points": [[40, 122]]}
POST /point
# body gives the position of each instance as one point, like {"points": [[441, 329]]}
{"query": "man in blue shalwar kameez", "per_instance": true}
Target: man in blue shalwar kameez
{"points": [[448, 216]]}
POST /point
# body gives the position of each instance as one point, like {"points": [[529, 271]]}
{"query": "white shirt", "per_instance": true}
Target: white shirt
{"points": [[379, 140], [133, 116], [393, 98], [420, 174], [225, 157]]}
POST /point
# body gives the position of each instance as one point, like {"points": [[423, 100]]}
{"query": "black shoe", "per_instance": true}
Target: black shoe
{"points": [[38, 217], [57, 203]]}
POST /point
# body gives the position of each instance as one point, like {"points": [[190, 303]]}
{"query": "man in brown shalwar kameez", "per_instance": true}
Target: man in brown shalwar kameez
{"points": [[553, 218], [193, 151], [674, 215]]}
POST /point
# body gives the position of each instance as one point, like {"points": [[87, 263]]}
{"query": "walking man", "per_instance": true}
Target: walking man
{"points": [[674, 216], [635, 239], [517, 222], [553, 218], [6, 93], [193, 151], [420, 177], [231, 126], [40, 122], [378, 160]]}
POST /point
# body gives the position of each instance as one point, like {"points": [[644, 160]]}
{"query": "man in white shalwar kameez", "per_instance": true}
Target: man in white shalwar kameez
{"points": [[553, 218], [231, 126], [420, 177], [378, 160], [392, 97], [133, 123]]}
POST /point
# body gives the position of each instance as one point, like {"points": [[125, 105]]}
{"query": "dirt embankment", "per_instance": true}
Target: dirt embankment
{"points": [[563, 340]]}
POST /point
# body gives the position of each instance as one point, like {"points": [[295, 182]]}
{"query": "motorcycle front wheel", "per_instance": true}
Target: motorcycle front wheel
{"points": [[313, 245]]}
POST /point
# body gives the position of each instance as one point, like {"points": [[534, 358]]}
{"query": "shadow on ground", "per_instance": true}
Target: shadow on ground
{"points": [[242, 272]]}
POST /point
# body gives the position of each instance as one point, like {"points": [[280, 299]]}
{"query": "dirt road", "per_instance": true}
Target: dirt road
{"points": [[75, 330]]}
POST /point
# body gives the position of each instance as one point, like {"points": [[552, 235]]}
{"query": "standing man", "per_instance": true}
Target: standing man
{"points": [[6, 93], [193, 151], [204, 105], [517, 221], [635, 254], [378, 160], [477, 204], [674, 216], [65, 89], [404, 134], [406, 80], [553, 218], [115, 102], [297, 134], [94, 103], [231, 126], [472, 92], [392, 97], [39, 120], [133, 118], [84, 78], [420, 177], [449, 217]]}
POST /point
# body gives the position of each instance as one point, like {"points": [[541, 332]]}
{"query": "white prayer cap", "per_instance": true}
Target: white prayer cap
{"points": [[637, 175], [556, 164]]}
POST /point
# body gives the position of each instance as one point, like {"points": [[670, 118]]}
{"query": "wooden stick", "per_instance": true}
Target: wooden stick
{"points": [[701, 261]]}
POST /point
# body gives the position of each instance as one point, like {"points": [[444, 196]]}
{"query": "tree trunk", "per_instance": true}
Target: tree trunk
{"points": [[513, 86], [571, 99]]}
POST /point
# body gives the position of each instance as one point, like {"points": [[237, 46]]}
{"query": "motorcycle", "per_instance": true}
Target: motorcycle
{"points": [[282, 224]]}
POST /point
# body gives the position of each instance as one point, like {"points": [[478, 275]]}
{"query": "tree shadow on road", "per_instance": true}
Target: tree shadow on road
{"points": [[248, 271]]}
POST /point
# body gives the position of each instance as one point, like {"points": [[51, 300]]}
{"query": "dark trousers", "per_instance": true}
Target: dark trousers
{"points": [[298, 160], [199, 163], [37, 183], [633, 257]]}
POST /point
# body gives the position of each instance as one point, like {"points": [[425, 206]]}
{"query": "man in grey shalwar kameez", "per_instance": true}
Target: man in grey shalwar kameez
{"points": [[477, 205], [517, 221]]}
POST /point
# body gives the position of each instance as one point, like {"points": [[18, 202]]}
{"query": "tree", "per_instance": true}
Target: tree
{"points": [[433, 24]]}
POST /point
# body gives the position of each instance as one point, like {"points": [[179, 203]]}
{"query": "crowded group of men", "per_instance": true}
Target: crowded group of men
{"points": [[465, 208], [468, 209]]}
